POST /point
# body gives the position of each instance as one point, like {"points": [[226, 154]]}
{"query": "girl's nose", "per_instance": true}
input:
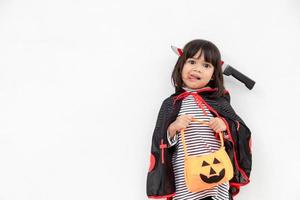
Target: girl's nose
{"points": [[197, 69]]}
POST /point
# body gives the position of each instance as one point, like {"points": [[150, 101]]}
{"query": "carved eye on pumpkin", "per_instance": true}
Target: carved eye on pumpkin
{"points": [[216, 161], [204, 163], [213, 177]]}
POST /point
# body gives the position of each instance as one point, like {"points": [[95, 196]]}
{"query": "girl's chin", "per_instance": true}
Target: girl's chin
{"points": [[194, 86]]}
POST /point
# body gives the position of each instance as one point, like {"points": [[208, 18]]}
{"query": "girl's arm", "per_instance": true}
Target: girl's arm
{"points": [[172, 140]]}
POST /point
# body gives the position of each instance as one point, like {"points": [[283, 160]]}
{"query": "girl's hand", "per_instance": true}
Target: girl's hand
{"points": [[181, 122], [217, 124]]}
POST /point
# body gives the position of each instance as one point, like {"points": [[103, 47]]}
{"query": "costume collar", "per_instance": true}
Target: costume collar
{"points": [[179, 90], [195, 93], [205, 89]]}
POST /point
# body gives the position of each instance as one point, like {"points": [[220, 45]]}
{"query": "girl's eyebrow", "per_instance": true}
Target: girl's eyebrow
{"points": [[197, 59]]}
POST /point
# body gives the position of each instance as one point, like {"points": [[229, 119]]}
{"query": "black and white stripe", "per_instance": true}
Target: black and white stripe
{"points": [[199, 139]]}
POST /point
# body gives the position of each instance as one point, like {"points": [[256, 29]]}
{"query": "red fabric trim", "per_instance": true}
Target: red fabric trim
{"points": [[165, 196], [206, 89], [250, 145], [234, 184], [186, 93], [237, 187], [162, 146], [238, 125], [226, 91], [199, 101], [152, 162]]}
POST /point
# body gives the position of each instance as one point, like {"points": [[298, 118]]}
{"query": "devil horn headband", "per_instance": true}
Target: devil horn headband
{"points": [[177, 50]]}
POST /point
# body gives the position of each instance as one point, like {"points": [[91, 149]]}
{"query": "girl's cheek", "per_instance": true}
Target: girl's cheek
{"points": [[186, 68]]}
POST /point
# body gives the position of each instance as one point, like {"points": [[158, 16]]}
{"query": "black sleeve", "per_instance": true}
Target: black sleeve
{"points": [[238, 147], [160, 178]]}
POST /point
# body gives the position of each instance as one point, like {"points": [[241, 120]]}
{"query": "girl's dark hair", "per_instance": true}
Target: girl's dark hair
{"points": [[211, 55]]}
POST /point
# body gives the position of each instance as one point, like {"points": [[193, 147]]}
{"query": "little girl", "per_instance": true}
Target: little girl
{"points": [[200, 94]]}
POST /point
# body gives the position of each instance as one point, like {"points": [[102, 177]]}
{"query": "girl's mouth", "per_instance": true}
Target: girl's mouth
{"points": [[193, 77]]}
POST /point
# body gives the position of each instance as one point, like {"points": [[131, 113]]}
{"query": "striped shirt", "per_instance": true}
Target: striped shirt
{"points": [[199, 139]]}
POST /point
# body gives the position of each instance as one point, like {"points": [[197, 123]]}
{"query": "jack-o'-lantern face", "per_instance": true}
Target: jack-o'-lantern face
{"points": [[208, 170], [215, 171]]}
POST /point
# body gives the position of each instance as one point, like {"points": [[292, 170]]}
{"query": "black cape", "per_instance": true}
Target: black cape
{"points": [[160, 178]]}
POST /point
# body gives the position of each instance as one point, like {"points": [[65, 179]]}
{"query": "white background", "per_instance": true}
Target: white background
{"points": [[81, 83]]}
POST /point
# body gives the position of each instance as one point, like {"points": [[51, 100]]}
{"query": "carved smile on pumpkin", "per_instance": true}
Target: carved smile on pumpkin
{"points": [[212, 177]]}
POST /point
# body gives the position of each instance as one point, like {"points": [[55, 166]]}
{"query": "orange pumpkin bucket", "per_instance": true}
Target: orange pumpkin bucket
{"points": [[208, 170]]}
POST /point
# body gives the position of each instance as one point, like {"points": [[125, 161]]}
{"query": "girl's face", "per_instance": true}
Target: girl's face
{"points": [[197, 73]]}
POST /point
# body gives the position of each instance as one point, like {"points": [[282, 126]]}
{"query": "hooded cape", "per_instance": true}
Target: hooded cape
{"points": [[160, 178]]}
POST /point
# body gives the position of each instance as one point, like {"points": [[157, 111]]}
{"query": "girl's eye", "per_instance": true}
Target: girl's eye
{"points": [[206, 65], [191, 61]]}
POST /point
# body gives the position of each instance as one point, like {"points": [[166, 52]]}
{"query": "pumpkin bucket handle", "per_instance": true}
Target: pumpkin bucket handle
{"points": [[201, 122]]}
